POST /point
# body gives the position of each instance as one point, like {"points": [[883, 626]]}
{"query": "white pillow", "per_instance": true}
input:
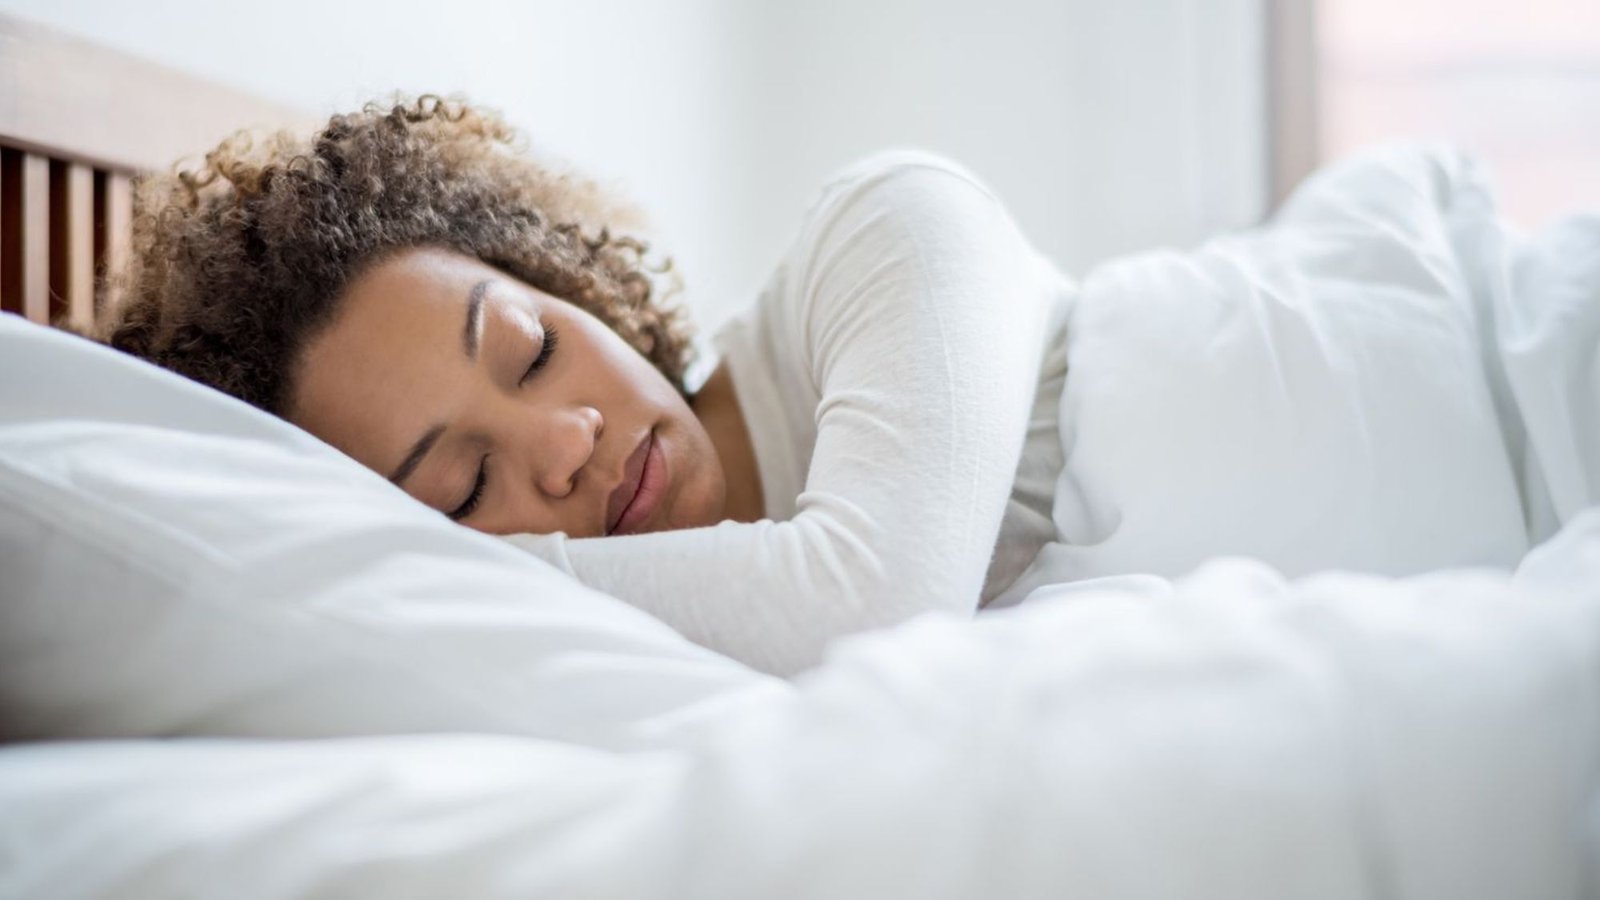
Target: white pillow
{"points": [[1314, 393], [178, 562]]}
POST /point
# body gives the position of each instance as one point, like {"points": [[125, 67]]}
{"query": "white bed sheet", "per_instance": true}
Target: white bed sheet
{"points": [[1247, 737]]}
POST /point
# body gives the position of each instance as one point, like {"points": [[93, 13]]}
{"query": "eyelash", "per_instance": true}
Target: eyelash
{"points": [[549, 347], [470, 505]]}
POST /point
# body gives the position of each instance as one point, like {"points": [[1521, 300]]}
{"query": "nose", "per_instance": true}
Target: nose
{"points": [[564, 446]]}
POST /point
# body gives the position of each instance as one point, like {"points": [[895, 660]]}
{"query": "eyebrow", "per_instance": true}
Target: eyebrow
{"points": [[469, 343], [418, 451], [474, 327]]}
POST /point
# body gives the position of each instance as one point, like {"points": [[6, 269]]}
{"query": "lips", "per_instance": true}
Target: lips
{"points": [[632, 475]]}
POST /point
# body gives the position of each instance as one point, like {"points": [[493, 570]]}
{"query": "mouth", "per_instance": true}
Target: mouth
{"points": [[643, 485]]}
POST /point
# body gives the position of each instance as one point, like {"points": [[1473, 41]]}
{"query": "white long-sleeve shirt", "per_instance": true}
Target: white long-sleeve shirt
{"points": [[899, 377]]}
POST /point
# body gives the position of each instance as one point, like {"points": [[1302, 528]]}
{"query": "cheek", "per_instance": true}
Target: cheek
{"points": [[701, 497]]}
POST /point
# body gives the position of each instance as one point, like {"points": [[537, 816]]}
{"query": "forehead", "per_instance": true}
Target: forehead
{"points": [[391, 363], [418, 283]]}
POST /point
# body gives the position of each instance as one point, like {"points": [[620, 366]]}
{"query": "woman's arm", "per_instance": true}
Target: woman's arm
{"points": [[920, 310]]}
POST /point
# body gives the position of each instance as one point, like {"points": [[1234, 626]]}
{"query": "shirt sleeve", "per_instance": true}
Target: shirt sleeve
{"points": [[920, 309]]}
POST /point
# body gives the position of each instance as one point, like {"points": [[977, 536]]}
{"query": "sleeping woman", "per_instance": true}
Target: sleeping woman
{"points": [[416, 292], [882, 432]]}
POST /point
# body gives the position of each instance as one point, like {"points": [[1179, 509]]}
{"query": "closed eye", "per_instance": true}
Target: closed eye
{"points": [[546, 349], [471, 503]]}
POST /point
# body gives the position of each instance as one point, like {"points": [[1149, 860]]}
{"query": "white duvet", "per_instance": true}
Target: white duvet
{"points": [[1387, 378], [1342, 737], [1230, 733]]}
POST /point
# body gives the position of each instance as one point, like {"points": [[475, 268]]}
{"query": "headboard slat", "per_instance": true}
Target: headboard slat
{"points": [[24, 234], [113, 211], [72, 244]]}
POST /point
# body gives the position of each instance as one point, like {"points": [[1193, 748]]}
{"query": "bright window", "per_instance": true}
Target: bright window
{"points": [[1516, 82]]}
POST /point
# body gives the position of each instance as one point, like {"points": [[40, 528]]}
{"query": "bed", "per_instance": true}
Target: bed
{"points": [[233, 663]]}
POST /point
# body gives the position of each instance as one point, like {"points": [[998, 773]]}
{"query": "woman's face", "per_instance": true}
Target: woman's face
{"points": [[502, 406]]}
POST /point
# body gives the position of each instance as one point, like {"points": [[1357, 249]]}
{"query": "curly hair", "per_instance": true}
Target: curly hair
{"points": [[237, 264]]}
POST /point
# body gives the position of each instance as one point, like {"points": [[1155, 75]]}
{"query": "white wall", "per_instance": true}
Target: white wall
{"points": [[1107, 126]]}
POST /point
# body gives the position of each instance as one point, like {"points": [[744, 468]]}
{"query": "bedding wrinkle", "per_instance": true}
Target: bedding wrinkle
{"points": [[1499, 335], [1548, 351], [1300, 331]]}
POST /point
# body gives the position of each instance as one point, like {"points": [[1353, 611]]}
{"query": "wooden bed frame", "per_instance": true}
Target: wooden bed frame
{"points": [[78, 124]]}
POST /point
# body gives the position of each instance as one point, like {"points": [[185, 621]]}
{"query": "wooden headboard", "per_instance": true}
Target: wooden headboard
{"points": [[78, 123]]}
